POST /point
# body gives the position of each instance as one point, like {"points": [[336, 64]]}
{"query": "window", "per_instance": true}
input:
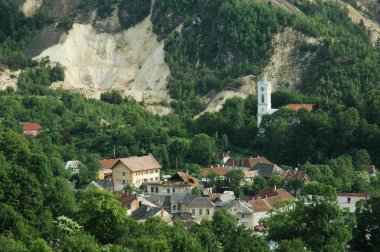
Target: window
{"points": [[156, 189], [168, 190], [151, 189], [146, 172], [243, 216], [124, 181], [349, 200], [179, 207], [151, 171], [207, 211], [193, 211], [145, 180], [174, 207], [156, 171], [151, 179], [123, 174], [262, 98], [200, 211], [156, 178], [173, 190], [140, 203]]}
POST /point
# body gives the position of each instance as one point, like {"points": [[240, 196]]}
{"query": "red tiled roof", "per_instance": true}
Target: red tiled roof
{"points": [[109, 163], [294, 175], [262, 204], [221, 171], [248, 162], [361, 195], [308, 107], [186, 178], [31, 126], [268, 192]]}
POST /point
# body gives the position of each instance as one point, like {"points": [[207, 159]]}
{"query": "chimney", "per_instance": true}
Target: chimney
{"points": [[187, 172], [275, 188], [251, 157], [296, 169], [162, 213], [212, 166]]}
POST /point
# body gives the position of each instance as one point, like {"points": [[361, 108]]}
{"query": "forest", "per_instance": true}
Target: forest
{"points": [[332, 144]]}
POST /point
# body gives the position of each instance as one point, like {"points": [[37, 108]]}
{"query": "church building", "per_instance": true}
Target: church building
{"points": [[264, 105]]}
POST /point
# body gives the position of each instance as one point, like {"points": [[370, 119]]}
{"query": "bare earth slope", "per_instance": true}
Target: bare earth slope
{"points": [[131, 61]]}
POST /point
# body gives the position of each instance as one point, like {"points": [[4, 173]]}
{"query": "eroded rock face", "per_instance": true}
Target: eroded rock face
{"points": [[131, 61], [288, 63], [31, 6]]}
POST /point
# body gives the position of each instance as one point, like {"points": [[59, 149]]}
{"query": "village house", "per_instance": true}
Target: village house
{"points": [[133, 201], [246, 164], [222, 157], [267, 170], [142, 213], [243, 212], [200, 208], [73, 166], [295, 174], [180, 182], [31, 129], [135, 171], [106, 168], [349, 200], [266, 200], [218, 170]]}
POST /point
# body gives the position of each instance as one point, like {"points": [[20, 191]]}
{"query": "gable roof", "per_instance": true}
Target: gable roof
{"points": [[159, 200], [139, 163], [268, 197], [242, 207], [268, 192], [199, 202], [109, 163], [248, 162], [294, 175], [220, 171], [267, 170], [181, 198], [296, 107], [183, 178], [126, 200], [144, 212], [31, 126]]}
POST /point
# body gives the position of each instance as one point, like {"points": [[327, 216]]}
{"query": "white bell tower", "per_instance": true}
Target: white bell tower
{"points": [[264, 105]]}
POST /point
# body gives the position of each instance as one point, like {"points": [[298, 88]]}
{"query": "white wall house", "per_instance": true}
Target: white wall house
{"points": [[349, 200]]}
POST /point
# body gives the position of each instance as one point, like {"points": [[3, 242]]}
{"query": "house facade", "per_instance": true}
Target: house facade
{"points": [[349, 200], [135, 171], [200, 208], [243, 212], [180, 182]]}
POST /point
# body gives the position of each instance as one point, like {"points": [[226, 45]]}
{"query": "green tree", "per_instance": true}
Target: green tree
{"points": [[366, 235], [39, 245], [258, 184], [295, 245], [321, 224], [202, 149], [102, 215], [235, 178]]}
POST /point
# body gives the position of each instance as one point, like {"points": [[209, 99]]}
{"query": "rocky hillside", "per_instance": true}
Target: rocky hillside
{"points": [[155, 52]]}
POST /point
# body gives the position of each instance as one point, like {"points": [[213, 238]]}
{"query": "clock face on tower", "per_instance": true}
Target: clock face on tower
{"points": [[262, 89]]}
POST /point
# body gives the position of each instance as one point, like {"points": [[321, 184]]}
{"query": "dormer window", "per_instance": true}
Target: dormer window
{"points": [[262, 98]]}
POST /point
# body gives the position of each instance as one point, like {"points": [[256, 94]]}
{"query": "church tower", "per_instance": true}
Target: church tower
{"points": [[264, 105]]}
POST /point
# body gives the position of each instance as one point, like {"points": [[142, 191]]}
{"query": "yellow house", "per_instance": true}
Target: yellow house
{"points": [[135, 171]]}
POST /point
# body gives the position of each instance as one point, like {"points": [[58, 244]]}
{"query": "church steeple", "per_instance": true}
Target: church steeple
{"points": [[264, 105]]}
